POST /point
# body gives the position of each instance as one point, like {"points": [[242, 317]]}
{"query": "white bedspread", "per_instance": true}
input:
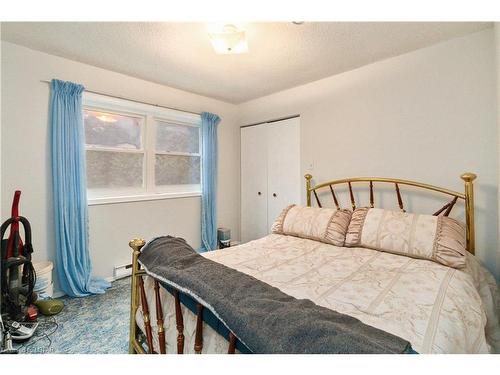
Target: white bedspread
{"points": [[437, 308]]}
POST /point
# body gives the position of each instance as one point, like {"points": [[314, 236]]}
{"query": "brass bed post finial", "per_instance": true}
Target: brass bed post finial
{"points": [[136, 244], [308, 178], [469, 210]]}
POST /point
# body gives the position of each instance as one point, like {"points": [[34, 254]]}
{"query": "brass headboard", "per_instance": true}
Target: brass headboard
{"points": [[467, 196]]}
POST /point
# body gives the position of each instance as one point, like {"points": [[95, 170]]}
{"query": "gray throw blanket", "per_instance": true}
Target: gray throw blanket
{"points": [[265, 319]]}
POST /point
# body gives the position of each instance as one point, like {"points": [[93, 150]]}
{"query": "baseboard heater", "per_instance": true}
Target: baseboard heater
{"points": [[122, 271]]}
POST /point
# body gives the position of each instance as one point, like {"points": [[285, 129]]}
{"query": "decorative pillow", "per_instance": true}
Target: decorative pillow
{"points": [[437, 238], [321, 224]]}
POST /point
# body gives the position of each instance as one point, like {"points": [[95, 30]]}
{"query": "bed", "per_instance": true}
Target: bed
{"points": [[437, 308]]}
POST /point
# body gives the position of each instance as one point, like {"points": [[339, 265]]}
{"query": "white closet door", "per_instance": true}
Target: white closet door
{"points": [[283, 165], [253, 182]]}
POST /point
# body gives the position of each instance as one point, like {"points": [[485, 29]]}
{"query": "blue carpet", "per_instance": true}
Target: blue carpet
{"points": [[97, 324]]}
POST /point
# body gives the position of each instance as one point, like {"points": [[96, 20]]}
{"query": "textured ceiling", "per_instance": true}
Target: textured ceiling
{"points": [[281, 55]]}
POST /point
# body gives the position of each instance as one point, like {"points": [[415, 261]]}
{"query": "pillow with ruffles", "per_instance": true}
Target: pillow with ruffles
{"points": [[320, 224], [437, 238]]}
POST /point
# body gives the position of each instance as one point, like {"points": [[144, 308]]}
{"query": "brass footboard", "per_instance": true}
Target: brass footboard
{"points": [[140, 345]]}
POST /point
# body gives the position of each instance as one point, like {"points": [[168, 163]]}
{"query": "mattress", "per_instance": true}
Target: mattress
{"points": [[436, 308]]}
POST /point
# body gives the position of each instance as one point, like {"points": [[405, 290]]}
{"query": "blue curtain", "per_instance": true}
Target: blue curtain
{"points": [[209, 123], [70, 191]]}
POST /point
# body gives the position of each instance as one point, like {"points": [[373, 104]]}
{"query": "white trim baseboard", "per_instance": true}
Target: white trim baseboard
{"points": [[60, 293]]}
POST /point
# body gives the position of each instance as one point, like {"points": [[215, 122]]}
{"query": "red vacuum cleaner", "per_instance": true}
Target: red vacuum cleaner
{"points": [[18, 274], [17, 281]]}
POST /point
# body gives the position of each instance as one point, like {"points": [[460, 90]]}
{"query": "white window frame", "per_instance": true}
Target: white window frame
{"points": [[150, 115]]}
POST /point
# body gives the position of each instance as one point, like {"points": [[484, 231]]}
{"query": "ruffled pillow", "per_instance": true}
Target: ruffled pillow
{"points": [[437, 238], [320, 224]]}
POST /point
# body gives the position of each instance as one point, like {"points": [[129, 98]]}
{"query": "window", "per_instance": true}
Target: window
{"points": [[139, 152], [177, 159]]}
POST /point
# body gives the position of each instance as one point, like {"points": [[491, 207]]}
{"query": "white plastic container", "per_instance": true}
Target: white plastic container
{"points": [[44, 286], [46, 293]]}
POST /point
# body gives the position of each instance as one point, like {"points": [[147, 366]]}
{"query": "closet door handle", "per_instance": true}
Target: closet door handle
{"points": [[259, 193], [275, 195]]}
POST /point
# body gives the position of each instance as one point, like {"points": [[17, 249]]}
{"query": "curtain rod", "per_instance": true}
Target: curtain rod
{"points": [[133, 100], [269, 121]]}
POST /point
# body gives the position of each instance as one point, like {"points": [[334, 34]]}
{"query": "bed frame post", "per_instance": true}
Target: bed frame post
{"points": [[136, 244], [198, 337], [469, 210], [232, 343], [179, 322], [159, 318], [308, 178]]}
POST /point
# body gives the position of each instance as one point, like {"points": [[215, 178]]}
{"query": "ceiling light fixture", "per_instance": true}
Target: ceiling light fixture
{"points": [[230, 40]]}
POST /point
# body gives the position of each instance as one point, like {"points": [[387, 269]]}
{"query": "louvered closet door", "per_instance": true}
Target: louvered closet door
{"points": [[253, 182], [283, 165]]}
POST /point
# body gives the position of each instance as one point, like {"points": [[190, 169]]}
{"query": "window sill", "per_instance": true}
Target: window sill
{"points": [[140, 198]]}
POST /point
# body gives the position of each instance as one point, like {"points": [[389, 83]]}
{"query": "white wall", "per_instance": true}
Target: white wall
{"points": [[428, 115], [26, 158]]}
